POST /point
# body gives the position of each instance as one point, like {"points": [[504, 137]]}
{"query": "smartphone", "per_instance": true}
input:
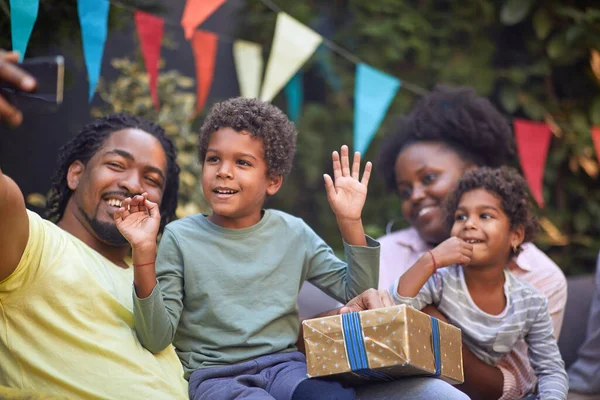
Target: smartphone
{"points": [[49, 73]]}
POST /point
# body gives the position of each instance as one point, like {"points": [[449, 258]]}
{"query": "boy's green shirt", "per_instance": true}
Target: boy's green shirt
{"points": [[230, 295]]}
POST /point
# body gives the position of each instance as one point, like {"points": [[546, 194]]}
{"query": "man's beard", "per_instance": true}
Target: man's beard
{"points": [[106, 231]]}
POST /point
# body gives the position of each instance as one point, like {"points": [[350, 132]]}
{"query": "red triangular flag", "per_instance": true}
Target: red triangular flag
{"points": [[596, 140], [150, 30], [196, 12], [533, 142], [204, 45]]}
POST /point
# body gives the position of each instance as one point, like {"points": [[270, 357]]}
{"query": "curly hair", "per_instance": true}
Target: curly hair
{"points": [[509, 186], [467, 123], [262, 120], [89, 140]]}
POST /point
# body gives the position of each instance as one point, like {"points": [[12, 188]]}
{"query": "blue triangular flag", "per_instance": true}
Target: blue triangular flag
{"points": [[294, 94], [93, 18], [373, 93], [23, 14]]}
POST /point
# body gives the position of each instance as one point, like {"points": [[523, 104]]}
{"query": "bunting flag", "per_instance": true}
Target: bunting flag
{"points": [[533, 142], [23, 14], [249, 67], [150, 30], [373, 93], [293, 44], [294, 93], [93, 18], [196, 12], [204, 46], [596, 140]]}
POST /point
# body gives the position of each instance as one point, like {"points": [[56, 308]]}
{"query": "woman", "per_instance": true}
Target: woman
{"points": [[449, 132]]}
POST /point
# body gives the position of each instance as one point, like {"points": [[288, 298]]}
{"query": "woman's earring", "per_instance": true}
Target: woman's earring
{"points": [[514, 248]]}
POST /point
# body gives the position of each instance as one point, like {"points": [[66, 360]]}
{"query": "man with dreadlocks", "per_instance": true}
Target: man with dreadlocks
{"points": [[66, 319]]}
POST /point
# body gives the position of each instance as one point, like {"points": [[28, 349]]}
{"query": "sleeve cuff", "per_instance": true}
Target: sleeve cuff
{"points": [[147, 301], [409, 301], [510, 388], [371, 244]]}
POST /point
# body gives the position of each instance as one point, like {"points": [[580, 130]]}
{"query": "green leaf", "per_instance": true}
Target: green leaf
{"points": [[515, 11], [542, 23], [557, 46], [579, 122], [532, 109], [581, 221], [570, 12], [595, 111], [508, 98], [573, 33]]}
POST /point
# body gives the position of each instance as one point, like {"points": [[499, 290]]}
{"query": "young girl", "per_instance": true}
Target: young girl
{"points": [[490, 218]]}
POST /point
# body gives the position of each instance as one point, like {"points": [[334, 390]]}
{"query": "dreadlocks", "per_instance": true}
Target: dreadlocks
{"points": [[89, 140]]}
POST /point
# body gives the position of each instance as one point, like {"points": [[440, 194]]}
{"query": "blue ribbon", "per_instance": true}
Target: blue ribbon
{"points": [[435, 344], [355, 348]]}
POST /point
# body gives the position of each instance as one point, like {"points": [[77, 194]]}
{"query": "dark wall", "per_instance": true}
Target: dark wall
{"points": [[28, 153]]}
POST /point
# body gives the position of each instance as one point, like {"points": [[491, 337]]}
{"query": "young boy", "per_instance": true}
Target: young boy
{"points": [[228, 283]]}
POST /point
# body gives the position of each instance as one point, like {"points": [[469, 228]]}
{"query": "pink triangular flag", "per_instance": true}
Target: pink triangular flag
{"points": [[596, 140], [533, 142], [196, 12], [204, 45], [150, 29]]}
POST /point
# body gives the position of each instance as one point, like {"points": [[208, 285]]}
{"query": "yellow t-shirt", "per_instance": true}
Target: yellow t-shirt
{"points": [[66, 325]]}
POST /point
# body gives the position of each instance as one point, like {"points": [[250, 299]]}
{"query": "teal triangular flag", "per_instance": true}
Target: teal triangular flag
{"points": [[93, 18], [23, 14], [294, 94], [373, 93]]}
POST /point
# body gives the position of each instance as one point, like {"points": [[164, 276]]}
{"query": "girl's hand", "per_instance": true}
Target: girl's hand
{"points": [[452, 251]]}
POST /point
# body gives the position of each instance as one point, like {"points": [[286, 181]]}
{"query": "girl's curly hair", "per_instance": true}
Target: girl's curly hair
{"points": [[509, 186]]}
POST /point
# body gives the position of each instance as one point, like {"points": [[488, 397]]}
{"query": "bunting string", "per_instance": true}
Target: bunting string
{"points": [[339, 50]]}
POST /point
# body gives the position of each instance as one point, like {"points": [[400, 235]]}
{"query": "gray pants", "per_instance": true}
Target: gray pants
{"points": [[273, 376], [278, 375]]}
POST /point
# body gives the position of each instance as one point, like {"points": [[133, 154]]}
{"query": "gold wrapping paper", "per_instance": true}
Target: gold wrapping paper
{"points": [[397, 339]]}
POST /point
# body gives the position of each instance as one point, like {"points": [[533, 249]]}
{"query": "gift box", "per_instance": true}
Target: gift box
{"points": [[385, 344]]}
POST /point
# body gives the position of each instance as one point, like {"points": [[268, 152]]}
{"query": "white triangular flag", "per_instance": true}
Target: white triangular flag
{"points": [[293, 44], [249, 67]]}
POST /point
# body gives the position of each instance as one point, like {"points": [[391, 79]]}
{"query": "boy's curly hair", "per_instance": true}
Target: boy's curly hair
{"points": [[469, 124], [509, 186], [263, 121]]}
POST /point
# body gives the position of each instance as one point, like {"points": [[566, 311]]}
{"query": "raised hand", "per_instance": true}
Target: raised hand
{"points": [[138, 220], [452, 251], [346, 193], [14, 76]]}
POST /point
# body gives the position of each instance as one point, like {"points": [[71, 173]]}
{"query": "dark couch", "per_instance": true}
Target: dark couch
{"points": [[580, 290]]}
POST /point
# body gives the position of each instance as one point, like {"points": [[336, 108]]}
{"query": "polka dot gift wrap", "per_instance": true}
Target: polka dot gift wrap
{"points": [[383, 344]]}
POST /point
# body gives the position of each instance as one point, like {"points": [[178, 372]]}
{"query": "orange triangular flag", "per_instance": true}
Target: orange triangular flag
{"points": [[204, 45], [196, 12], [150, 29], [533, 142], [596, 140]]}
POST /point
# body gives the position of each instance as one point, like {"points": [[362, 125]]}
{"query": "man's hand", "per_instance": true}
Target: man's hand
{"points": [[452, 251], [347, 194], [14, 76], [368, 300], [138, 220]]}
